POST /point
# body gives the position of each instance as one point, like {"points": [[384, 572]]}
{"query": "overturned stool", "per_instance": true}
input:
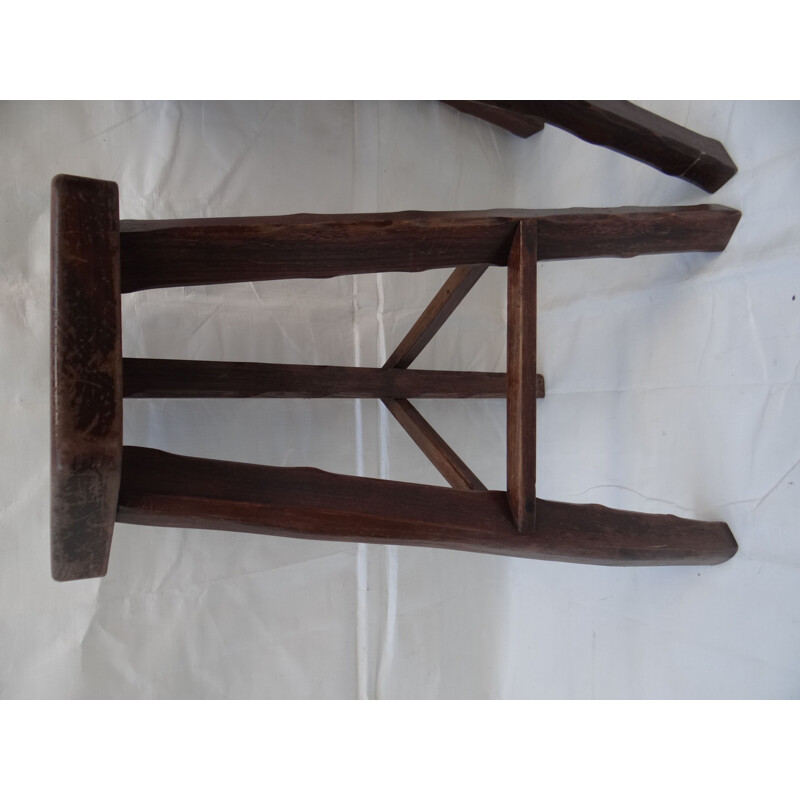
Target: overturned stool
{"points": [[96, 480]]}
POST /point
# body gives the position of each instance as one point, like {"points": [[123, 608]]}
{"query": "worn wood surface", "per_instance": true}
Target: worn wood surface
{"points": [[438, 311], [207, 251], [623, 127], [168, 490], [94, 477], [154, 377], [524, 125], [86, 363], [438, 452], [521, 371]]}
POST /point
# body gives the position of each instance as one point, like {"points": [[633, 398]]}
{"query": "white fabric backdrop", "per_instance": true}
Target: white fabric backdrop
{"points": [[672, 386]]}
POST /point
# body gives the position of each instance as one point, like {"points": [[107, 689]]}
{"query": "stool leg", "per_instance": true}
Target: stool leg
{"points": [[209, 251], [621, 126], [169, 490]]}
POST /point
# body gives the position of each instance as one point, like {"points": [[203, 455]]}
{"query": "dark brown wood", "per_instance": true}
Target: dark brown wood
{"points": [[438, 452], [623, 127], [169, 490], [519, 124], [521, 371], [444, 303], [86, 389], [153, 377], [207, 251], [95, 478]]}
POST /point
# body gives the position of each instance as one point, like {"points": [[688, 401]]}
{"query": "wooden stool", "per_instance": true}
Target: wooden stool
{"points": [[96, 480]]}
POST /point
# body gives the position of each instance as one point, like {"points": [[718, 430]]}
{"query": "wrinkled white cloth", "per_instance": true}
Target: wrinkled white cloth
{"points": [[672, 387]]}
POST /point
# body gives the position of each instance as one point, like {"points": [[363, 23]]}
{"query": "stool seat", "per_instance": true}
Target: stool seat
{"points": [[96, 480]]}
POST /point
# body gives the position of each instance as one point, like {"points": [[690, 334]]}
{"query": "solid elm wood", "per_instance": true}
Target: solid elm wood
{"points": [[519, 124], [95, 477], [623, 127], [438, 452], [521, 373], [178, 491], [86, 388], [438, 311], [155, 377], [209, 251]]}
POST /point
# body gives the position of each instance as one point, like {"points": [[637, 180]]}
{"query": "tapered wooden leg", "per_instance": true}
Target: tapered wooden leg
{"points": [[209, 251], [620, 126], [164, 489]]}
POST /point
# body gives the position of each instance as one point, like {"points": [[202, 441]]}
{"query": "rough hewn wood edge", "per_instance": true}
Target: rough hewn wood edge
{"points": [[209, 251], [258, 227], [625, 128], [168, 490], [521, 373], [86, 363]]}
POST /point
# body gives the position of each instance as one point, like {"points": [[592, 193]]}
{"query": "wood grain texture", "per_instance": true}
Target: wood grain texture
{"points": [[438, 311], [168, 490], [208, 251], [438, 452], [521, 370], [625, 128], [86, 363], [523, 125], [95, 479], [152, 377]]}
